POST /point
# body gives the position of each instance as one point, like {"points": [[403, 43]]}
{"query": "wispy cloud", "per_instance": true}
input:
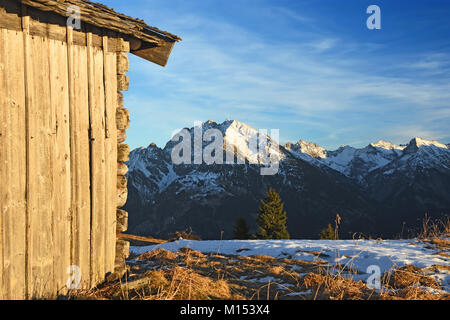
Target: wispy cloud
{"points": [[403, 133], [291, 14], [326, 87], [324, 44]]}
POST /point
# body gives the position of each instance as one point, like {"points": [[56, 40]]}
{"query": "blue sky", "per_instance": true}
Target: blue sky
{"points": [[309, 68]]}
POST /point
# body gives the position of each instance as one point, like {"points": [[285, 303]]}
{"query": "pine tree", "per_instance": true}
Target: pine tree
{"points": [[327, 233], [272, 218], [241, 230]]}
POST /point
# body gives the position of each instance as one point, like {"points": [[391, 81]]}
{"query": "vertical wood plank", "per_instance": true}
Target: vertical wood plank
{"points": [[61, 202], [40, 171], [80, 159], [16, 96], [13, 163], [28, 101], [90, 74], [3, 173], [110, 80], [98, 191]]}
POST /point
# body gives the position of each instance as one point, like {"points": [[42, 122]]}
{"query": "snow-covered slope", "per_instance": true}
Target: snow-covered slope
{"points": [[355, 254], [255, 147]]}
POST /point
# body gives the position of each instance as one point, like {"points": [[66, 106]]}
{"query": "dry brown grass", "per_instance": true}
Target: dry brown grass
{"points": [[409, 276], [438, 267], [189, 251], [411, 283], [413, 293], [276, 270], [185, 284], [336, 287], [189, 274], [263, 258], [157, 254], [187, 234], [432, 229], [442, 243]]}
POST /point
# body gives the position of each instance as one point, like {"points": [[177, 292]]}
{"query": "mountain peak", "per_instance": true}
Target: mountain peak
{"points": [[345, 147], [226, 125], [237, 124], [244, 138], [310, 148], [209, 122], [419, 142], [386, 145]]}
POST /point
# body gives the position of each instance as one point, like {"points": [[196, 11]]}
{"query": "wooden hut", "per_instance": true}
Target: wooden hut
{"points": [[62, 128]]}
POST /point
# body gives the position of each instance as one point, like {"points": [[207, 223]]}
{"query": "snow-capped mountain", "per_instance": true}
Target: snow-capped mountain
{"points": [[406, 180], [386, 156], [419, 179], [303, 147], [238, 138], [366, 186]]}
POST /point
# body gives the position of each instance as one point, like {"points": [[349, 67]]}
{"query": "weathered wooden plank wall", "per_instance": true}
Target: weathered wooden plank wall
{"points": [[12, 165], [110, 67], [61, 220], [58, 162], [40, 188], [98, 180], [80, 159]]}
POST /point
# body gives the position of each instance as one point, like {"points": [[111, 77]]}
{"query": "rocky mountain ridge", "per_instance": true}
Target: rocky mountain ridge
{"points": [[374, 188]]}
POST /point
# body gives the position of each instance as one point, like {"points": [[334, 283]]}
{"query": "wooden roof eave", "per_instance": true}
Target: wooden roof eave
{"points": [[147, 42], [155, 52]]}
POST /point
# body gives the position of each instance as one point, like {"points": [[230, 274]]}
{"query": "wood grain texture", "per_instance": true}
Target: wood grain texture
{"points": [[57, 30], [123, 152], [104, 17], [40, 171], [156, 54], [110, 67], [121, 136], [122, 168], [121, 182], [98, 179], [123, 82], [120, 101], [61, 173], [3, 142], [122, 221], [122, 195], [123, 248], [4, 291], [80, 161], [12, 166], [123, 118], [61, 201], [122, 63]]}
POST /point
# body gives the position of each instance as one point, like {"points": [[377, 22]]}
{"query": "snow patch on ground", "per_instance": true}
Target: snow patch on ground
{"points": [[355, 254]]}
